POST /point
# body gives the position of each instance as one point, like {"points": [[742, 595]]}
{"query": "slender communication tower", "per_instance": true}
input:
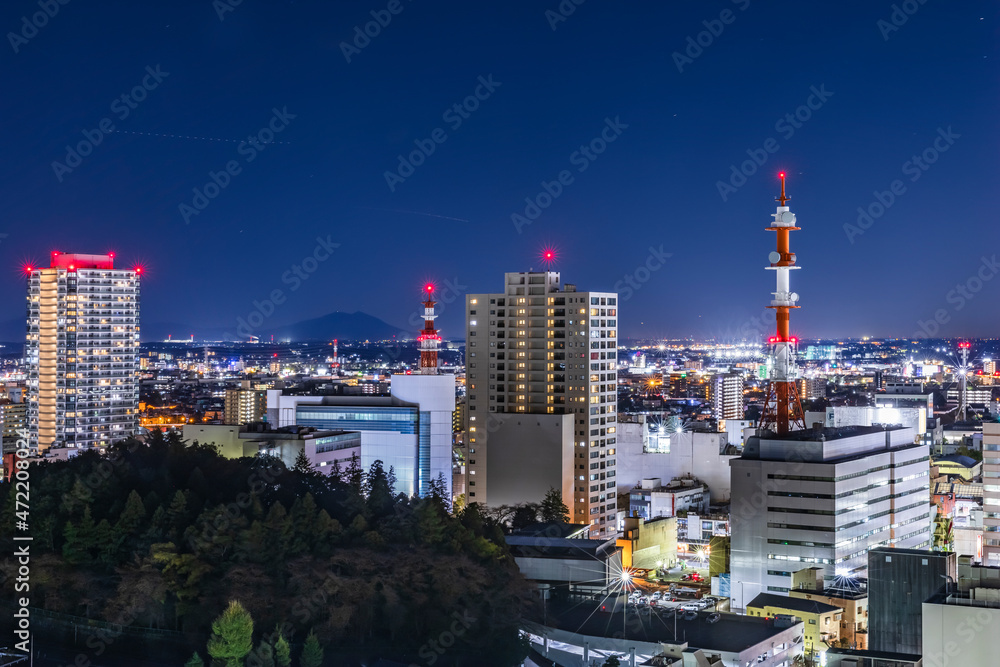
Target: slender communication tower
{"points": [[429, 338], [782, 409], [963, 395]]}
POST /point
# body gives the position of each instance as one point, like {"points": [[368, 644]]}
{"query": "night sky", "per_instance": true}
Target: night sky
{"points": [[886, 92]]}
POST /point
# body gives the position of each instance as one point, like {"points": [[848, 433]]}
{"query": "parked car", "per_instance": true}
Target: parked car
{"points": [[704, 603], [714, 617], [643, 600], [656, 596], [689, 606], [690, 615]]}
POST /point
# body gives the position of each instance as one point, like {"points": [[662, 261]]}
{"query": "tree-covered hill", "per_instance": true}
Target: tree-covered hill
{"points": [[165, 535]]}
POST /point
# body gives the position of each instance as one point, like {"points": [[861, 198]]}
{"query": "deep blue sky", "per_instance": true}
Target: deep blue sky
{"points": [[655, 185]]}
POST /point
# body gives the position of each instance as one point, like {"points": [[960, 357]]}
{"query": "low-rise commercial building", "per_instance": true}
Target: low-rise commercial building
{"points": [[821, 621]]}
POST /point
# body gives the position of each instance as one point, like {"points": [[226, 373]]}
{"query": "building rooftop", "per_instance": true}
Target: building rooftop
{"points": [[732, 633], [829, 433], [795, 604], [965, 461]]}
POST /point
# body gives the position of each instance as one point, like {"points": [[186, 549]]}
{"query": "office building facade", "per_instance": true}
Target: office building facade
{"points": [[823, 498], [991, 495], [82, 350], [541, 364], [409, 431]]}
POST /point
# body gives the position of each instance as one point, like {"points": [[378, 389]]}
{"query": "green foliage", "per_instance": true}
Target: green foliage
{"points": [[612, 661], [312, 652], [195, 661], [232, 635], [172, 532], [553, 509], [282, 651]]}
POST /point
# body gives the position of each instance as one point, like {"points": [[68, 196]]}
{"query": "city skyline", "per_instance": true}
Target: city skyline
{"points": [[630, 147]]}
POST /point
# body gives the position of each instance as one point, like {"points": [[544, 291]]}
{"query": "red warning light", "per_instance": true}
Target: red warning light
{"points": [[429, 287], [793, 339], [138, 269], [72, 267], [28, 269], [964, 346], [111, 255], [781, 174]]}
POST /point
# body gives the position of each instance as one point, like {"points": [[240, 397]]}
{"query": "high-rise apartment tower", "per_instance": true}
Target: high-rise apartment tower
{"points": [[82, 350], [541, 363]]}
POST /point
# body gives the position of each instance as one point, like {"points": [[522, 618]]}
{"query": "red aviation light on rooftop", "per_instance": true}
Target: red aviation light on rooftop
{"points": [[548, 255], [139, 269], [28, 269], [429, 288], [965, 345]]}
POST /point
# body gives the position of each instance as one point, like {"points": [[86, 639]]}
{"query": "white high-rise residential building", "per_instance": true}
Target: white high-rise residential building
{"points": [[82, 350], [822, 498], [541, 365], [991, 494], [725, 392]]}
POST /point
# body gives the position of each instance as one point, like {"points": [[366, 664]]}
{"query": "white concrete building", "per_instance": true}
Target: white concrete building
{"points": [[725, 393], [409, 431], [823, 499], [82, 350], [541, 368], [704, 455], [960, 625], [652, 499]]}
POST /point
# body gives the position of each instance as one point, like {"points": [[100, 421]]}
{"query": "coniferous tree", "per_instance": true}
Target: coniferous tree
{"points": [[232, 635], [195, 661], [354, 475], [303, 465], [312, 652], [553, 509], [282, 651]]}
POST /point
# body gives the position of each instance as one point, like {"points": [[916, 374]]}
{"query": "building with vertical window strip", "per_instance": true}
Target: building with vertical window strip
{"points": [[541, 369], [409, 431], [82, 349]]}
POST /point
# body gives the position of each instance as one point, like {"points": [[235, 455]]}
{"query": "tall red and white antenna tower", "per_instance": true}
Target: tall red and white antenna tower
{"points": [[429, 338], [782, 409]]}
